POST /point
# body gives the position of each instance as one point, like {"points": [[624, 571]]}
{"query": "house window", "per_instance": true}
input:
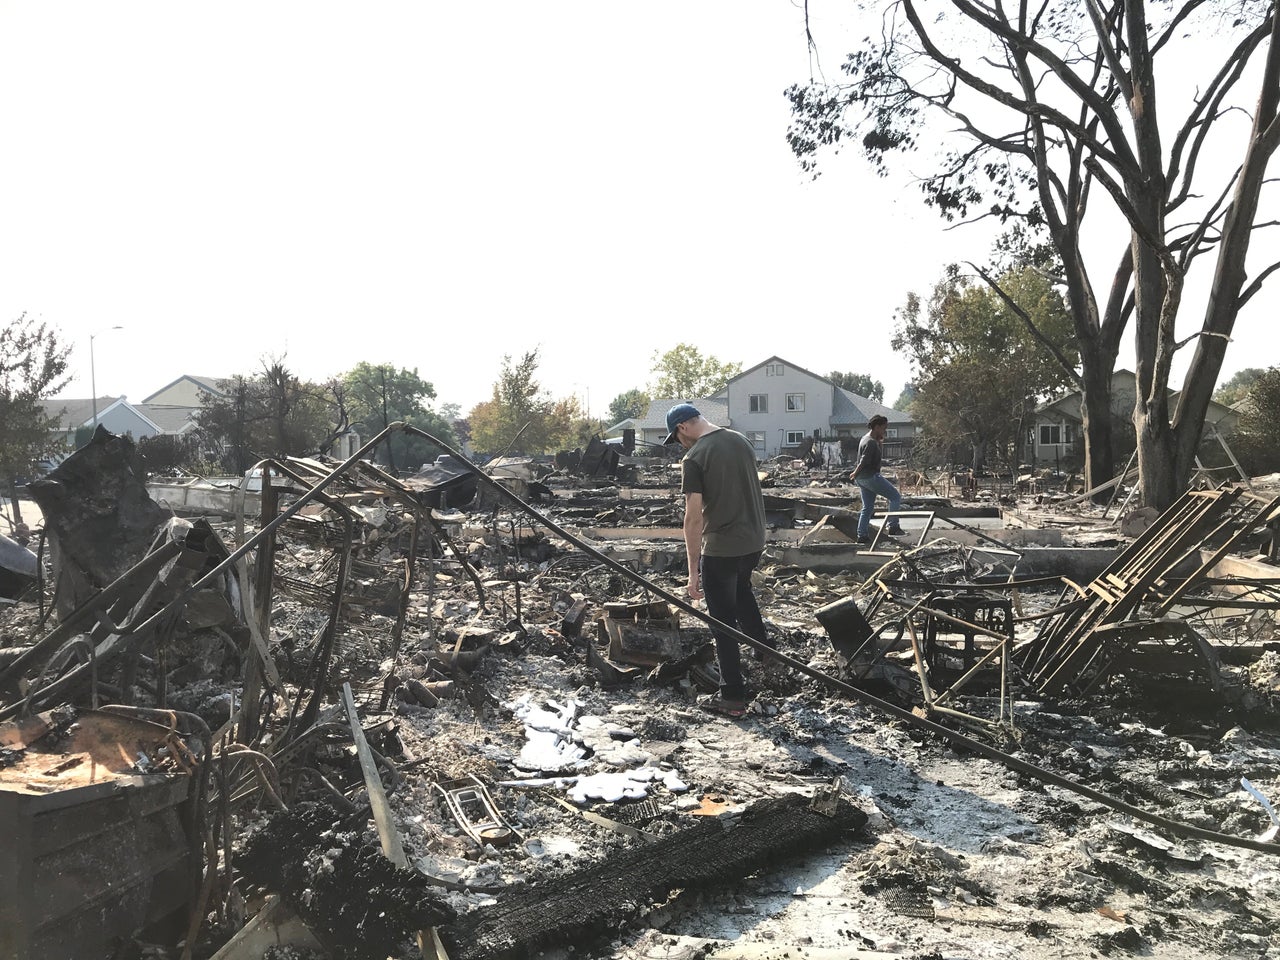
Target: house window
{"points": [[795, 438], [795, 403], [1069, 433], [757, 441], [891, 432], [773, 370], [1050, 433], [758, 403]]}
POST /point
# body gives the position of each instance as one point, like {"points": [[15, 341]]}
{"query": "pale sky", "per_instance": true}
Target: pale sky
{"points": [[436, 185]]}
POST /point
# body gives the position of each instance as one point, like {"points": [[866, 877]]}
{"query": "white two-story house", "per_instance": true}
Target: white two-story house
{"points": [[776, 405]]}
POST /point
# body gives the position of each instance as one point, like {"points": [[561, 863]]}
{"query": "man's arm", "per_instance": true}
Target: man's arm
{"points": [[693, 541], [858, 464]]}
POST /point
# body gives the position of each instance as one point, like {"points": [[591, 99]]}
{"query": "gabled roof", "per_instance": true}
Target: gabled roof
{"points": [[1069, 403], [851, 408], [1072, 397], [73, 413], [847, 406], [209, 384], [715, 409], [170, 419], [777, 359]]}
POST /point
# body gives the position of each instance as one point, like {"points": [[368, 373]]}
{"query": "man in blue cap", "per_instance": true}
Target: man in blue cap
{"points": [[724, 534]]}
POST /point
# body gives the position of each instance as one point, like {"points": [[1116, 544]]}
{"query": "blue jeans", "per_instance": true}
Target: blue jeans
{"points": [[726, 583], [870, 488]]}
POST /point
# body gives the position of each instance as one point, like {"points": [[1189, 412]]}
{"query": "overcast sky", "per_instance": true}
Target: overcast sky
{"points": [[436, 185]]}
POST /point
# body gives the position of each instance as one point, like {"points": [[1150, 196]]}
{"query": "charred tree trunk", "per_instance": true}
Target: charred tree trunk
{"points": [[1228, 293], [1157, 277], [1095, 417]]}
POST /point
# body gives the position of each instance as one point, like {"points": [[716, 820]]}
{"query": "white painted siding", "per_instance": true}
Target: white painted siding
{"points": [[796, 403]]}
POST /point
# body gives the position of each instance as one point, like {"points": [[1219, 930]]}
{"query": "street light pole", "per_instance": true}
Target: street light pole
{"points": [[93, 379]]}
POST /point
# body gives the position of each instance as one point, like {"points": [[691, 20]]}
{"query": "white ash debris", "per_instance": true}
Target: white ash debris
{"points": [[559, 740]]}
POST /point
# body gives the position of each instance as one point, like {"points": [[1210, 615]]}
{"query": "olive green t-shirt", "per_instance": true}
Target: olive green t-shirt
{"points": [[722, 467]]}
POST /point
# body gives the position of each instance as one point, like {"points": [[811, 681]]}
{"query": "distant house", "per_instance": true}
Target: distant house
{"points": [[1055, 435], [187, 391], [115, 413], [776, 405], [175, 405], [651, 426], [170, 410]]}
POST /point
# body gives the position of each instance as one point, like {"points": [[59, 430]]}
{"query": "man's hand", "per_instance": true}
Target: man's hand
{"points": [[694, 588]]}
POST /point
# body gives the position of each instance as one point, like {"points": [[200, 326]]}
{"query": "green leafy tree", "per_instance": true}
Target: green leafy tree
{"points": [[270, 414], [451, 413], [1238, 387], [859, 383], [979, 370], [1257, 437], [633, 403], [520, 417], [376, 395], [1042, 116], [684, 373], [907, 398], [165, 453], [573, 428], [33, 364]]}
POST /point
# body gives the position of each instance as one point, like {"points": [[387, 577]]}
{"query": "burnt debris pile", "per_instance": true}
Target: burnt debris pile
{"points": [[331, 710]]}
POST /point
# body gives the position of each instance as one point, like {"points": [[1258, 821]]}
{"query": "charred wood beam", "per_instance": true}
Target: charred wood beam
{"points": [[263, 585], [590, 902], [318, 672]]}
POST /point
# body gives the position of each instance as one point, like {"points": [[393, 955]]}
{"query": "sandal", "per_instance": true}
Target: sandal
{"points": [[734, 709]]}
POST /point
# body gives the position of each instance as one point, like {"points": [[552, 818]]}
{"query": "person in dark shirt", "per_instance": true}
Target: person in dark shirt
{"points": [[871, 484], [724, 535]]}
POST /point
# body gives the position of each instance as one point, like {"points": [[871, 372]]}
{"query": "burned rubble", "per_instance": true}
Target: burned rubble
{"points": [[454, 714]]}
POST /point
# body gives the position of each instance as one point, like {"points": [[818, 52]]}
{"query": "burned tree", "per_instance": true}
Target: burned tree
{"points": [[1055, 105], [271, 414]]}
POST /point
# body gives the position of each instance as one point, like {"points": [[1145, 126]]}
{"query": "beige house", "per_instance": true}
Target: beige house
{"points": [[187, 391], [174, 407]]}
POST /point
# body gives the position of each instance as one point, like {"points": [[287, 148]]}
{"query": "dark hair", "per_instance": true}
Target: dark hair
{"points": [[878, 419]]}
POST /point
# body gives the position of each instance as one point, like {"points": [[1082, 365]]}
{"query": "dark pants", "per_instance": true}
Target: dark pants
{"points": [[726, 583]]}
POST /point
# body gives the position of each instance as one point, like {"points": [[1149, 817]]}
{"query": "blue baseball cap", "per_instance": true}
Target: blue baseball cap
{"points": [[678, 415]]}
